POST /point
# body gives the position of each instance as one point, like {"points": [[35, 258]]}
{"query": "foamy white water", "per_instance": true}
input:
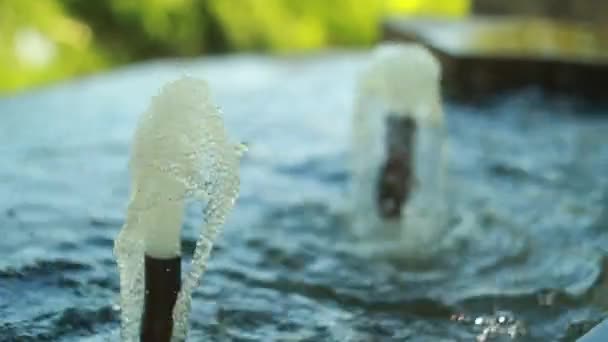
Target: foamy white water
{"points": [[401, 80], [180, 150]]}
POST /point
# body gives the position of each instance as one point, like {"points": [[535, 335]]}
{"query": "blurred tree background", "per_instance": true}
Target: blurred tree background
{"points": [[47, 40]]}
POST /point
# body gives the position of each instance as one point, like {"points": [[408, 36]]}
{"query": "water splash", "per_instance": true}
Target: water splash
{"points": [[401, 83], [495, 326], [180, 151]]}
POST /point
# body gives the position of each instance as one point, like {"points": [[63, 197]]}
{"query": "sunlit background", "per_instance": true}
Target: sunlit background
{"points": [[42, 41]]}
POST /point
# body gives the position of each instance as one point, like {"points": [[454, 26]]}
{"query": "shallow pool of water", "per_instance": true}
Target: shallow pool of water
{"points": [[524, 255]]}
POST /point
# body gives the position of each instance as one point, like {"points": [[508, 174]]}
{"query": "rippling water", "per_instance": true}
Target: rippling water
{"points": [[524, 256]]}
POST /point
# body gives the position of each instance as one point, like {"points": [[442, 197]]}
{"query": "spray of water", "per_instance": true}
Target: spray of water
{"points": [[400, 85], [180, 150]]}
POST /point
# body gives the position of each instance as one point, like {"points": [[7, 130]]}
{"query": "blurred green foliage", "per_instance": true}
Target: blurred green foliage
{"points": [[39, 42], [47, 40]]}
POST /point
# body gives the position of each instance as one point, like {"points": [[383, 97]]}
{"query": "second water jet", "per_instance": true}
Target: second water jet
{"points": [[399, 143]]}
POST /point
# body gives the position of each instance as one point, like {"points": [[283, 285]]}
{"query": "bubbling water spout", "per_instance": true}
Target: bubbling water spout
{"points": [[399, 144], [180, 150]]}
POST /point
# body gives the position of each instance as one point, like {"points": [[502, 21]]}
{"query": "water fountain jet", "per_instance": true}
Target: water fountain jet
{"points": [[399, 142], [180, 150]]}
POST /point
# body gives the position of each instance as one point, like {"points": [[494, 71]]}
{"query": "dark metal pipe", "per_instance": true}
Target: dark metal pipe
{"points": [[162, 284], [396, 174]]}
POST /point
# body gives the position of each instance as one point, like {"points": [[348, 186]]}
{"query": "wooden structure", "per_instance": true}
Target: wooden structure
{"points": [[484, 54]]}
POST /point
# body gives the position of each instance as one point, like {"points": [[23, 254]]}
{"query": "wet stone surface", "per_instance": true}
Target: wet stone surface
{"points": [[523, 259]]}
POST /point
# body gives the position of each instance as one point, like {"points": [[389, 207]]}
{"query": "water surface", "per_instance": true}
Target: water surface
{"points": [[528, 187]]}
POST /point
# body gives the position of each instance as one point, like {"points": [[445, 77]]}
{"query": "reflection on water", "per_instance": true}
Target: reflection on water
{"points": [[528, 239]]}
